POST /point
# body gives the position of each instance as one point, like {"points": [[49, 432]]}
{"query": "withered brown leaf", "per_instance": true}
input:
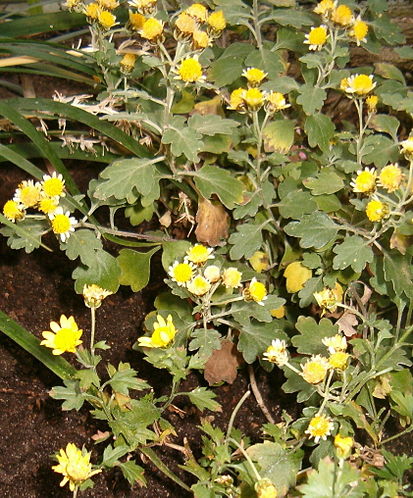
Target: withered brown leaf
{"points": [[223, 363], [212, 222]]}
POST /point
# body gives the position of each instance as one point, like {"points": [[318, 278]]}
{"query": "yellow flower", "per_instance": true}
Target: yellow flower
{"points": [[259, 261], [279, 312], [253, 98], [199, 254], [198, 11], [335, 343], [376, 210], [48, 205], [65, 338], [136, 21], [275, 101], [329, 298], [185, 23], [343, 445], [216, 21], [320, 427], [181, 273], [152, 29], [265, 489], [371, 102], [316, 38], [254, 76], [74, 464], [28, 194], [199, 286], [92, 10], [237, 99], [365, 181], [144, 6], [128, 62], [71, 4], [256, 292], [277, 353], [342, 15], [324, 7], [53, 186], [360, 84], [13, 211], [108, 4], [212, 273], [106, 19], [296, 275], [338, 360], [62, 223], [390, 177], [93, 295], [200, 40], [315, 370], [190, 70], [359, 31], [407, 146], [163, 334], [231, 278]]}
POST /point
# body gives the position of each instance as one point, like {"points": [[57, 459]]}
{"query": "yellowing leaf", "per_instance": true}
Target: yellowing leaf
{"points": [[279, 136], [296, 275], [212, 106]]}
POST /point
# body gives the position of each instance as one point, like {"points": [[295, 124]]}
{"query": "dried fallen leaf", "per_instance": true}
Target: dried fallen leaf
{"points": [[346, 324], [223, 363], [212, 222], [100, 436]]}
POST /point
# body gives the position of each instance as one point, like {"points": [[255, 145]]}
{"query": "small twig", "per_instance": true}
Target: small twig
{"points": [[258, 396]]}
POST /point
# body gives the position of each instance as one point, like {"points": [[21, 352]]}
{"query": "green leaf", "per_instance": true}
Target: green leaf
{"points": [[126, 177], [133, 472], [314, 230], [311, 98], [397, 270], [320, 129], [71, 393], [278, 136], [206, 340], [112, 455], [245, 241], [311, 335], [296, 203], [203, 398], [277, 464], [255, 337], [26, 234], [326, 182], [173, 251], [83, 244], [41, 23], [104, 272], [243, 311], [306, 294], [381, 150], [214, 180], [183, 139], [268, 60], [124, 378], [386, 124], [292, 17], [212, 124], [354, 252], [295, 383], [386, 30], [137, 214], [17, 159], [135, 267], [230, 64]]}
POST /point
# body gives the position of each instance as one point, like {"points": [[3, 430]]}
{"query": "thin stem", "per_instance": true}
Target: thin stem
{"points": [[75, 491], [257, 28], [258, 396], [122, 233], [92, 330], [234, 413], [325, 395], [247, 458], [395, 436]]}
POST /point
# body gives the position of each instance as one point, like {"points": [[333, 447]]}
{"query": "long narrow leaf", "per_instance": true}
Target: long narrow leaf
{"points": [[42, 23], [49, 70], [31, 343], [15, 158]]}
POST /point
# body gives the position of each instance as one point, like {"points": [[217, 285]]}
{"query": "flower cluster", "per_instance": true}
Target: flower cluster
{"points": [[253, 98], [99, 13], [42, 196]]}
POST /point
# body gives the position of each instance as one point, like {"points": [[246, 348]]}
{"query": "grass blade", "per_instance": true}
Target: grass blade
{"points": [[15, 158]]}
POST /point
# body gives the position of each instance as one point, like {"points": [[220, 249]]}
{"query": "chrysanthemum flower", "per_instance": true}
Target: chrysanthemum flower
{"points": [[199, 254], [198, 12], [181, 273], [342, 15], [359, 31], [256, 292], [185, 23], [74, 465], [376, 210], [335, 343], [144, 6], [296, 275], [407, 146], [106, 19], [212, 273], [254, 76], [338, 360], [54, 185], [200, 40], [190, 70], [365, 181], [315, 369], [360, 84], [136, 21], [237, 99], [199, 286], [71, 4], [127, 62], [343, 445], [65, 336], [277, 353], [329, 298], [13, 211], [92, 10], [216, 21], [316, 38], [265, 489], [371, 102], [324, 7], [275, 101], [390, 177], [48, 205], [28, 194], [62, 223], [152, 29], [93, 295], [320, 427], [163, 334], [278, 312], [231, 278], [108, 4], [254, 98]]}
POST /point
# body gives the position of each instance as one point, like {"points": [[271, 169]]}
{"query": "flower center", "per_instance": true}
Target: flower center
{"points": [[60, 224]]}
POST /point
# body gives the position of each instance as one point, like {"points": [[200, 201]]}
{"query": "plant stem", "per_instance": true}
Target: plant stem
{"points": [[258, 396], [395, 436], [247, 458], [234, 413], [92, 330]]}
